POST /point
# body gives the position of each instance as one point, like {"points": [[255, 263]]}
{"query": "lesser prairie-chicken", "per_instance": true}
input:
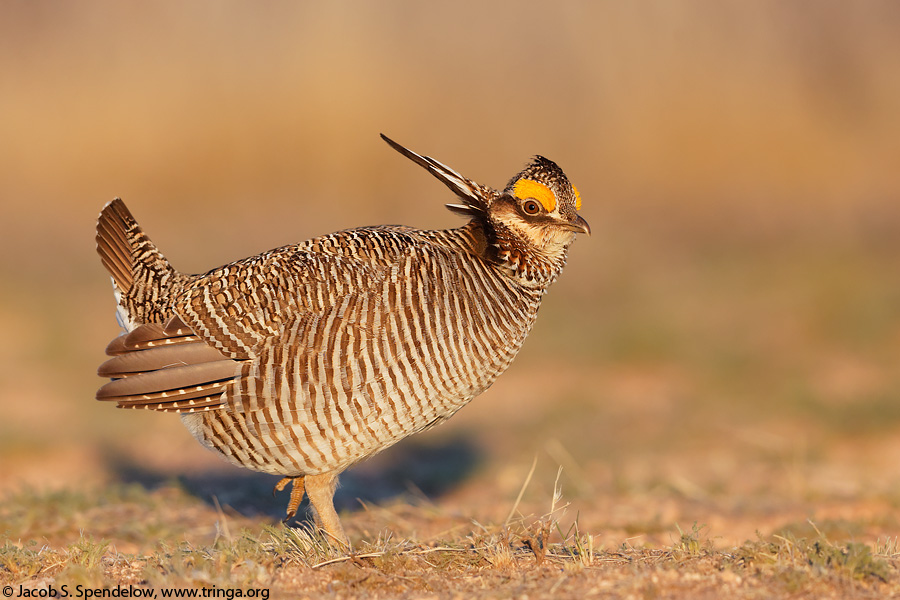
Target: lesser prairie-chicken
{"points": [[305, 359]]}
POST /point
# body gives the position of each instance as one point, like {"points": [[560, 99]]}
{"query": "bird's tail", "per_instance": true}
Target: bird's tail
{"points": [[143, 280]]}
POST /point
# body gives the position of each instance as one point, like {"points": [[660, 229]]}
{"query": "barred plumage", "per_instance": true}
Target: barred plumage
{"points": [[306, 359]]}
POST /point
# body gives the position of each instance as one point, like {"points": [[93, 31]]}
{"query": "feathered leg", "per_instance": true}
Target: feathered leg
{"points": [[320, 489]]}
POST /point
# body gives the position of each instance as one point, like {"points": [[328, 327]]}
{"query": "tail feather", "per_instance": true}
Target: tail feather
{"points": [[111, 242], [158, 363], [143, 280]]}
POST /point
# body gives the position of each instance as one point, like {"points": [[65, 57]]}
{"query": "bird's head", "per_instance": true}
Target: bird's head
{"points": [[534, 219], [541, 206]]}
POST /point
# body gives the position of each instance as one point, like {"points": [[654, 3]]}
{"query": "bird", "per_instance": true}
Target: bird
{"points": [[306, 359]]}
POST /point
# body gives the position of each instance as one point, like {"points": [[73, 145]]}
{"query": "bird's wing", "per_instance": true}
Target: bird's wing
{"points": [[166, 368], [243, 307], [225, 319]]}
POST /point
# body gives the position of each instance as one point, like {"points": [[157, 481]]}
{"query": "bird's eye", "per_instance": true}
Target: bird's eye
{"points": [[531, 207]]}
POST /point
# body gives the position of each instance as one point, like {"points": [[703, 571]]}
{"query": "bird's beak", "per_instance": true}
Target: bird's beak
{"points": [[579, 225]]}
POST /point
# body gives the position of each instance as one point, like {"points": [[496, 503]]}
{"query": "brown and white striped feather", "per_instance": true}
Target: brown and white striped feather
{"points": [[384, 360], [311, 357]]}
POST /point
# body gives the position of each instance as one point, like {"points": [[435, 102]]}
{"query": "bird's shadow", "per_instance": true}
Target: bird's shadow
{"points": [[412, 469]]}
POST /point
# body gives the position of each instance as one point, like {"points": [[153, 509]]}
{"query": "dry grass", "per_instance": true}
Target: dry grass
{"points": [[529, 555]]}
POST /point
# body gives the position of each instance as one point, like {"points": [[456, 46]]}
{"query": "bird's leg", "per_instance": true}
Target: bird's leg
{"points": [[320, 489], [296, 494]]}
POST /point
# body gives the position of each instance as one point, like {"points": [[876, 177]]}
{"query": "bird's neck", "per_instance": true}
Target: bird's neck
{"points": [[509, 252], [528, 264]]}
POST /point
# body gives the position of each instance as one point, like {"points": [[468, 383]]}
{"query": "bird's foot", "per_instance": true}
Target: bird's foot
{"points": [[296, 495]]}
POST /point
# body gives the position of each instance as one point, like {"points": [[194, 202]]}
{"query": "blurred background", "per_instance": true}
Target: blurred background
{"points": [[725, 346]]}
